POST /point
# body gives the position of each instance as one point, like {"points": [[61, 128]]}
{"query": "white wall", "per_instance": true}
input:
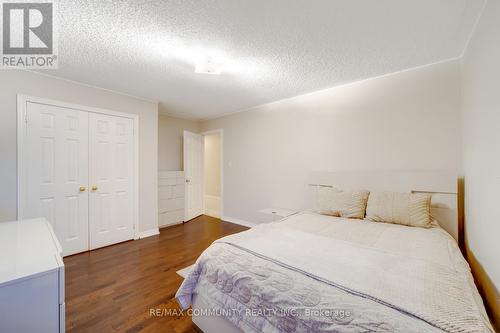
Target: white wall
{"points": [[408, 120], [481, 140], [212, 175], [170, 141], [13, 82], [212, 165]]}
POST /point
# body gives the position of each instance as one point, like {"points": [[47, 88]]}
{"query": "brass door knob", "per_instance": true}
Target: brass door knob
{"points": [[82, 189], [94, 188]]}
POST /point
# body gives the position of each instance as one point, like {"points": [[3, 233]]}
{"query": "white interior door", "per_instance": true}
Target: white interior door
{"points": [[55, 155], [193, 170], [111, 176]]}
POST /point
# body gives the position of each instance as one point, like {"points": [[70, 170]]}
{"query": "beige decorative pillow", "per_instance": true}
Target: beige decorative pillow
{"points": [[412, 209], [341, 203]]}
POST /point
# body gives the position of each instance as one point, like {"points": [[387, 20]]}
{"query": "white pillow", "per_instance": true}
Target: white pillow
{"points": [[341, 203], [412, 209]]}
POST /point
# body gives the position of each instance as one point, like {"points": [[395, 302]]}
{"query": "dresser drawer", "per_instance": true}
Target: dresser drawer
{"points": [[31, 304]]}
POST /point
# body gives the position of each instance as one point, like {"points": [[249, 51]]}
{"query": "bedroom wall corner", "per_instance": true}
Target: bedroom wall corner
{"points": [[481, 155], [170, 139]]}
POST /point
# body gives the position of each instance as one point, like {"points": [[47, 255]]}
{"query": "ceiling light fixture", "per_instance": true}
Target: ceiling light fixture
{"points": [[205, 60], [209, 65]]}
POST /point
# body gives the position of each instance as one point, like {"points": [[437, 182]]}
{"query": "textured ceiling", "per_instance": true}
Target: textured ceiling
{"points": [[273, 49]]}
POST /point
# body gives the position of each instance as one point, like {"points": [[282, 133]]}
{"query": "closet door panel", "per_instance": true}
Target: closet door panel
{"points": [[111, 179], [56, 162]]}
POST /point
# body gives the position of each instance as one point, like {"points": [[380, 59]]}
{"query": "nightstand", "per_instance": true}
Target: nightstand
{"points": [[278, 213]]}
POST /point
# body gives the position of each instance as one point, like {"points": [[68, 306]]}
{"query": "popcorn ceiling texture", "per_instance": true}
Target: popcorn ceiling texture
{"points": [[275, 49]]}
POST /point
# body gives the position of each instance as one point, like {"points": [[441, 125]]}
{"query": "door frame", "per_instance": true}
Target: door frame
{"points": [[219, 131], [22, 120]]}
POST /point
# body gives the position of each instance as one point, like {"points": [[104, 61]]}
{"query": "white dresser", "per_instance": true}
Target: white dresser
{"points": [[31, 278], [171, 188]]}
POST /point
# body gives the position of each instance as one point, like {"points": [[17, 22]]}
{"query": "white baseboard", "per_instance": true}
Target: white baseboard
{"points": [[149, 233], [212, 206], [212, 213], [170, 224], [238, 221]]}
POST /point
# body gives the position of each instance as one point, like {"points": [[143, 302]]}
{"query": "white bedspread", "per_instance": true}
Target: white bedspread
{"points": [[418, 272]]}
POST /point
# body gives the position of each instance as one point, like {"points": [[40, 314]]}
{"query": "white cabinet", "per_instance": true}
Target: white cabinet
{"points": [[31, 278], [171, 197]]}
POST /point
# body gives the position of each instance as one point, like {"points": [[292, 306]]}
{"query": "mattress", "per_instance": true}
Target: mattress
{"points": [[259, 291]]}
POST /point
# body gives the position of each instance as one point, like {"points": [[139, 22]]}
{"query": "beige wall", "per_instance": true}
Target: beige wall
{"points": [[212, 165], [170, 141], [481, 139], [407, 120], [14, 82]]}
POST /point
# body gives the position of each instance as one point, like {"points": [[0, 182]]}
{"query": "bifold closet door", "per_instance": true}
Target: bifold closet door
{"points": [[111, 170], [55, 158]]}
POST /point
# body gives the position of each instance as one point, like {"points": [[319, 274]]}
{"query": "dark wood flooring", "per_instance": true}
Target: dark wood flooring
{"points": [[113, 289]]}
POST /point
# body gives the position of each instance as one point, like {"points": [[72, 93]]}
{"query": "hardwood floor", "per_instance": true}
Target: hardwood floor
{"points": [[113, 289]]}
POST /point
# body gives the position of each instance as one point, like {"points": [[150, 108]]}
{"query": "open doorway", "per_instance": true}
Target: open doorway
{"points": [[212, 169]]}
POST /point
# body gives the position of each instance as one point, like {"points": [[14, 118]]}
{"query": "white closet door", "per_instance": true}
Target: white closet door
{"points": [[56, 172], [111, 180], [193, 169]]}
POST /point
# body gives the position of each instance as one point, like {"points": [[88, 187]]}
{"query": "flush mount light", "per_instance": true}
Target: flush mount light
{"points": [[209, 65], [205, 60]]}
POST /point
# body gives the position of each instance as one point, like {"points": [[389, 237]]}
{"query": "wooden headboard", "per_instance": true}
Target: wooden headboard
{"points": [[444, 185]]}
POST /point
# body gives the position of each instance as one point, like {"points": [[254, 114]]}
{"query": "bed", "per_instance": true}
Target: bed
{"points": [[317, 273]]}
